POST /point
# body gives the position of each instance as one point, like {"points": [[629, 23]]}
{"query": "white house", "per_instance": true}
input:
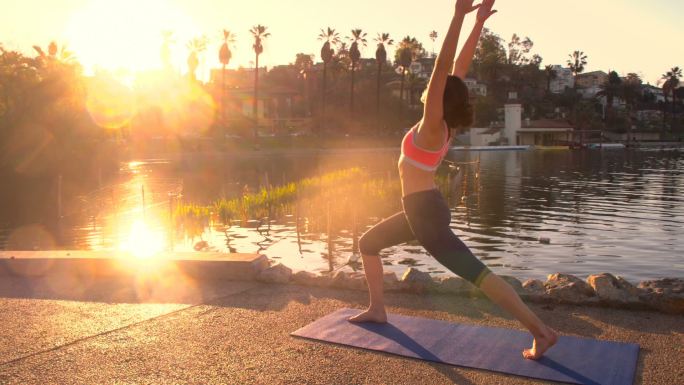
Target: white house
{"points": [[563, 80], [523, 132], [657, 92], [475, 88]]}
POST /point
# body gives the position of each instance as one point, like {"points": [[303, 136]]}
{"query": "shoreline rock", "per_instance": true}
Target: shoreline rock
{"points": [[603, 289]]}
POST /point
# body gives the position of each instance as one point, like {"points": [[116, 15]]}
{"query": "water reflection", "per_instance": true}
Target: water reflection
{"points": [[618, 211]]}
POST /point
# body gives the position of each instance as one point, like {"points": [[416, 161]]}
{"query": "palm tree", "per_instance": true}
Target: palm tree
{"points": [[576, 63], [381, 58], [358, 37], [610, 89], [409, 50], [259, 33], [168, 41], [303, 64], [630, 93], [225, 55], [433, 37], [671, 78], [551, 74], [196, 47], [329, 37], [55, 53]]}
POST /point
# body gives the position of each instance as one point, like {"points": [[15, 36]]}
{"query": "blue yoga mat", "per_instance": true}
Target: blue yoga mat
{"points": [[573, 360]]}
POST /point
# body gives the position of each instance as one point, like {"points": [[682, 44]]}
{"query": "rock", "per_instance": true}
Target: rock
{"points": [[201, 246], [277, 273], [339, 279], [613, 290], [390, 281], [455, 285], [666, 294], [533, 289], [568, 288], [417, 280], [309, 279], [514, 282], [534, 286], [356, 281]]}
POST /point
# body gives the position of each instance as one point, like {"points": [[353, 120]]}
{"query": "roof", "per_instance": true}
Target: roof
{"points": [[492, 131], [546, 123], [592, 73]]}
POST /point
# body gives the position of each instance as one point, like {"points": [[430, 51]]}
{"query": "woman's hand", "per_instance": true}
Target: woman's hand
{"points": [[464, 7], [485, 11]]}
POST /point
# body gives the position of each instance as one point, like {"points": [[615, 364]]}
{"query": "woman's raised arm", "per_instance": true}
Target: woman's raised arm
{"points": [[462, 64], [434, 103]]}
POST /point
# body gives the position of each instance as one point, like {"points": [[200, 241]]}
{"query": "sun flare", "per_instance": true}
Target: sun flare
{"points": [[126, 34], [142, 242]]}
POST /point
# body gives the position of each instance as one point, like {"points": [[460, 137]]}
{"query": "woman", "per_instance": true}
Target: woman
{"points": [[425, 214]]}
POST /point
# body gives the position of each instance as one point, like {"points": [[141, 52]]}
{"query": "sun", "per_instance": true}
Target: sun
{"points": [[126, 35]]}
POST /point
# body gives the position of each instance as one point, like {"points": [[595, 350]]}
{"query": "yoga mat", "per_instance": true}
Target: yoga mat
{"points": [[572, 360]]}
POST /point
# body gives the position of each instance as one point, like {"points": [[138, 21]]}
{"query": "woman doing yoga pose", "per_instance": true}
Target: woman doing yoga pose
{"points": [[425, 215]]}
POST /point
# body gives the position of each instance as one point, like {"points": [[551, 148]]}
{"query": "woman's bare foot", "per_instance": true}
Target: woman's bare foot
{"points": [[376, 315], [541, 344]]}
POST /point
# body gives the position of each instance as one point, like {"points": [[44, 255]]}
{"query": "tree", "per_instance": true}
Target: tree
{"points": [[490, 56], [611, 89], [196, 46], [409, 51], [225, 55], [329, 37], [630, 92], [381, 58], [576, 63], [671, 78], [518, 49], [358, 38], [303, 64], [165, 53], [433, 37], [259, 33]]}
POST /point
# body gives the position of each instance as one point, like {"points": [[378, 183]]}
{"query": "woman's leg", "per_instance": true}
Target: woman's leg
{"points": [[429, 218], [502, 294], [389, 232]]}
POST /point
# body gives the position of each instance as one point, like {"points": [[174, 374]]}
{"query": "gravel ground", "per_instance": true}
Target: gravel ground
{"points": [[241, 336]]}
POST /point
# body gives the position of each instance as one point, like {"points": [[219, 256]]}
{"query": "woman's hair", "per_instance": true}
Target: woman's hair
{"points": [[458, 113]]}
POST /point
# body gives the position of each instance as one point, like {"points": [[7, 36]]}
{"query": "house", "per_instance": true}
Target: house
{"points": [[657, 92], [423, 67], [275, 104], [591, 79], [564, 79], [516, 131], [475, 88]]}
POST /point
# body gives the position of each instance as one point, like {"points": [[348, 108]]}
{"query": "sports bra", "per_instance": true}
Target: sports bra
{"points": [[424, 159]]}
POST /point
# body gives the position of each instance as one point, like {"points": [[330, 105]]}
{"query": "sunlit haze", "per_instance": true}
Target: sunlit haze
{"points": [[623, 35]]}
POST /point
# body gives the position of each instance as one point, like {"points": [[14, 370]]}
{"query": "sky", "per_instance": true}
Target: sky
{"points": [[639, 36]]}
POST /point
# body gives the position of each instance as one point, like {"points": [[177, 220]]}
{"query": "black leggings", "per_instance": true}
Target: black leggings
{"points": [[426, 217]]}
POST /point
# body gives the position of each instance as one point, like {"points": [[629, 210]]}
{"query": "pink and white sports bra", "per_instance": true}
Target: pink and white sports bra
{"points": [[424, 159]]}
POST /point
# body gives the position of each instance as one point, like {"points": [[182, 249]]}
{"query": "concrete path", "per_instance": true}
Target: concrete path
{"points": [[238, 333]]}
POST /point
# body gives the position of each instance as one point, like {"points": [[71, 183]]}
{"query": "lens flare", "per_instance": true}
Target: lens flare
{"points": [[143, 242], [110, 103]]}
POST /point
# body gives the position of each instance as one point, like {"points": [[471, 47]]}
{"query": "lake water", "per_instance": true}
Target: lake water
{"points": [[524, 213]]}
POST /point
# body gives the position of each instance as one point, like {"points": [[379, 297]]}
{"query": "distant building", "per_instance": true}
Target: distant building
{"points": [[564, 79], [589, 84], [475, 88], [523, 132], [423, 67], [657, 92], [591, 79], [275, 103]]}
